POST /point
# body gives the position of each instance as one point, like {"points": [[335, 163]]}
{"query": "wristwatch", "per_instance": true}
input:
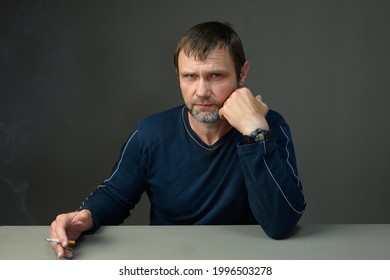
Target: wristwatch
{"points": [[257, 136]]}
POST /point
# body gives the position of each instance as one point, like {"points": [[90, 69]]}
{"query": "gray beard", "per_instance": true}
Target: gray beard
{"points": [[205, 117]]}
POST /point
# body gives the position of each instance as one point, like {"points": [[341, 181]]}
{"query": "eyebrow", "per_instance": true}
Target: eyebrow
{"points": [[208, 71]]}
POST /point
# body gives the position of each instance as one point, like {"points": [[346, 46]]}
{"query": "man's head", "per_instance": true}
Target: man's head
{"points": [[202, 38], [210, 64]]}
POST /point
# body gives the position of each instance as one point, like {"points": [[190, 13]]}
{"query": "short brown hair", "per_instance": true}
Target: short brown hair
{"points": [[205, 37]]}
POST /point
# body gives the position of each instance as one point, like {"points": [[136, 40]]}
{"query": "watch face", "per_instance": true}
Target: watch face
{"points": [[259, 137]]}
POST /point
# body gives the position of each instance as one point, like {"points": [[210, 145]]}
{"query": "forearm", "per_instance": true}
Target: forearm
{"points": [[274, 188], [112, 201], [104, 208]]}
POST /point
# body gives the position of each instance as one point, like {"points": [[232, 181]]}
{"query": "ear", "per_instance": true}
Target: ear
{"points": [[244, 72]]}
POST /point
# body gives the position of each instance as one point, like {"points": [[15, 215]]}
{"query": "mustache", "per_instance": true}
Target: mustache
{"points": [[204, 101]]}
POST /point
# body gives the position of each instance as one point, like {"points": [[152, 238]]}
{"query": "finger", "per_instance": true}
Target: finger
{"points": [[59, 250], [68, 253], [57, 229], [64, 252], [264, 105]]}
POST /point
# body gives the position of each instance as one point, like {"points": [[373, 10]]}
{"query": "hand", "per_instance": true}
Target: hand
{"points": [[244, 111], [69, 226]]}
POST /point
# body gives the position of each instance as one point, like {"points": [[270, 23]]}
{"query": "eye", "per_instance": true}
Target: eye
{"points": [[189, 76], [216, 75]]}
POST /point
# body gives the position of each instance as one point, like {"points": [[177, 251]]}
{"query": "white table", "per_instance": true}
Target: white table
{"points": [[309, 242]]}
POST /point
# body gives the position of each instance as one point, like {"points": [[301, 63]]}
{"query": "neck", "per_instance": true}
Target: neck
{"points": [[209, 133]]}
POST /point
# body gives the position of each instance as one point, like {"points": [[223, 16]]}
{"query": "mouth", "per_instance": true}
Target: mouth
{"points": [[204, 106]]}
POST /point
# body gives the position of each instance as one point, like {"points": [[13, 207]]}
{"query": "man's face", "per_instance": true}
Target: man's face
{"points": [[207, 84]]}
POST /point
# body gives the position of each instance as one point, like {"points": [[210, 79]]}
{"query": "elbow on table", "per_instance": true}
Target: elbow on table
{"points": [[278, 234], [282, 226], [281, 230]]}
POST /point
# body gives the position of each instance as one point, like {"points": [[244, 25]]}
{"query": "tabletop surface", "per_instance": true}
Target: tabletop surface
{"points": [[308, 242]]}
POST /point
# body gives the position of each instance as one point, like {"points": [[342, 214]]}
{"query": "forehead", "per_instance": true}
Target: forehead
{"points": [[217, 58]]}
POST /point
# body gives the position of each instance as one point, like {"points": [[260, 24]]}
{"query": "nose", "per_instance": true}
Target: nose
{"points": [[203, 90]]}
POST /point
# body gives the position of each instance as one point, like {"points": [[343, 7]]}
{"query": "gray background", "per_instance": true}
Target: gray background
{"points": [[75, 77]]}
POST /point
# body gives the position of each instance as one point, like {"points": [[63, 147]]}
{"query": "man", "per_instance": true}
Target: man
{"points": [[223, 158]]}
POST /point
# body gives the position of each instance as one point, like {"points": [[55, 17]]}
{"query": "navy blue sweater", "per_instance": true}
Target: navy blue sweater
{"points": [[191, 183]]}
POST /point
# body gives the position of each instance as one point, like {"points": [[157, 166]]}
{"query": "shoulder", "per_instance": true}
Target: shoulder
{"points": [[274, 119], [161, 123], [164, 117]]}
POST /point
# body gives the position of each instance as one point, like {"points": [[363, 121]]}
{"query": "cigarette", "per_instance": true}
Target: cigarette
{"points": [[71, 242]]}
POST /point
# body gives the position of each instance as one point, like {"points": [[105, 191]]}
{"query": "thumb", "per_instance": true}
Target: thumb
{"points": [[221, 114]]}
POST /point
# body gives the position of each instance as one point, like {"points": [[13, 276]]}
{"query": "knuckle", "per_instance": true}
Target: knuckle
{"points": [[53, 224]]}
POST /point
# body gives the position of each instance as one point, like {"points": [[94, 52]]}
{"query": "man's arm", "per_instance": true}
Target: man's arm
{"points": [[269, 166], [274, 187], [112, 201]]}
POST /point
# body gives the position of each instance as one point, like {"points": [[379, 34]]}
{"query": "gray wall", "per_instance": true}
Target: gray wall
{"points": [[75, 77]]}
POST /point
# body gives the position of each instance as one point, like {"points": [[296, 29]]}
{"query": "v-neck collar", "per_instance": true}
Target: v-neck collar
{"points": [[196, 138]]}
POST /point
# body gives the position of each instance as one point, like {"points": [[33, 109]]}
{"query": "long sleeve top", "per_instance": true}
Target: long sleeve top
{"points": [[191, 183]]}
